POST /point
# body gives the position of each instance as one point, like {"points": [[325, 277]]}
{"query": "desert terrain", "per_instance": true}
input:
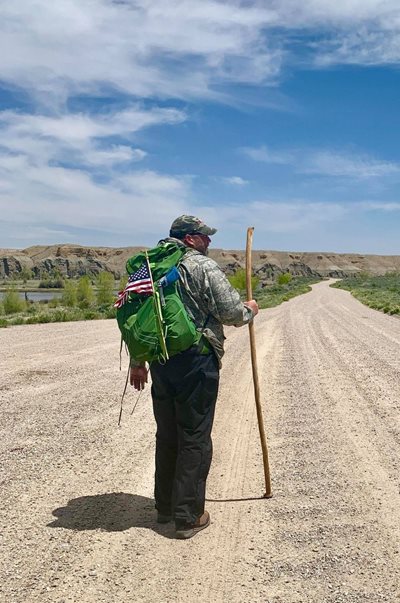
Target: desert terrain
{"points": [[77, 517]]}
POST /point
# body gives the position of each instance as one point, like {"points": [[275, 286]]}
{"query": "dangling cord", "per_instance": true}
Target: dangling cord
{"points": [[120, 354], [137, 400], [123, 395]]}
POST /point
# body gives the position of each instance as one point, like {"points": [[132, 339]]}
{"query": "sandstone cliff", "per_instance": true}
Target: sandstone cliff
{"points": [[76, 260]]}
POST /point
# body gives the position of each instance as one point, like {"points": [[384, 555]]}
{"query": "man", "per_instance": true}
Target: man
{"points": [[185, 388]]}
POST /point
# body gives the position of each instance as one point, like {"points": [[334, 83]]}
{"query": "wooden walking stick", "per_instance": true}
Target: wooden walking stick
{"points": [[263, 439]]}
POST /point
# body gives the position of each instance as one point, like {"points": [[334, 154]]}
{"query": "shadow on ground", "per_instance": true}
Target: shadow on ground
{"points": [[113, 512]]}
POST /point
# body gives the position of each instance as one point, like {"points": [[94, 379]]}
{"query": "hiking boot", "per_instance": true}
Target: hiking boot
{"points": [[183, 532], [163, 518]]}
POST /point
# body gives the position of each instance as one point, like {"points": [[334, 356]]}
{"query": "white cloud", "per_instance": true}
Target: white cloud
{"points": [[300, 224], [137, 46], [61, 200], [80, 139], [59, 174], [280, 216], [361, 47], [182, 49], [77, 129], [116, 154], [266, 155], [235, 181], [384, 206], [342, 13], [326, 162]]}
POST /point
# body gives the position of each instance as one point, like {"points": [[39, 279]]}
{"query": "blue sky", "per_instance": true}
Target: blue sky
{"points": [[116, 117]]}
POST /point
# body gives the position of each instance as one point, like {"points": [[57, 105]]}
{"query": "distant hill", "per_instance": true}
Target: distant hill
{"points": [[77, 260]]}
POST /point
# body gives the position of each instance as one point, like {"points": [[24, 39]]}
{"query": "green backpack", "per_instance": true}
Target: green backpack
{"points": [[153, 321]]}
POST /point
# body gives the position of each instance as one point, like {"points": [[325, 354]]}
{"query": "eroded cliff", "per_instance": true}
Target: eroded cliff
{"points": [[77, 260]]}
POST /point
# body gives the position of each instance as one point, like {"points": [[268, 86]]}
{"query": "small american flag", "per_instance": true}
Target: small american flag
{"points": [[138, 282]]}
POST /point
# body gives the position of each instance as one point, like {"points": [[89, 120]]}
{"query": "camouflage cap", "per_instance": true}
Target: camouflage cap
{"points": [[190, 225]]}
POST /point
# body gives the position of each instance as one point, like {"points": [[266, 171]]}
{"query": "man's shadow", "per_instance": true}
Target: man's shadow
{"points": [[113, 512]]}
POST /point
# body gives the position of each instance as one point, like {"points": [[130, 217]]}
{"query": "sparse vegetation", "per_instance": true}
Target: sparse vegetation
{"points": [[43, 313], [78, 302], [284, 288], [276, 293], [377, 292]]}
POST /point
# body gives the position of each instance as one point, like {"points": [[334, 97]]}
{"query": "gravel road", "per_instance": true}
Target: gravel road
{"points": [[77, 519]]}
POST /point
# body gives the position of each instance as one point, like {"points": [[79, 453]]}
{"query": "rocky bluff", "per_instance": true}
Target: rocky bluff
{"points": [[76, 260]]}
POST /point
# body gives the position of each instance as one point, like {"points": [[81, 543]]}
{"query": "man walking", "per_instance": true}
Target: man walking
{"points": [[185, 388]]}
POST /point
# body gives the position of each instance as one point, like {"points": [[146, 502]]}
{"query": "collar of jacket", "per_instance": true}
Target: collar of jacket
{"points": [[172, 240], [189, 250]]}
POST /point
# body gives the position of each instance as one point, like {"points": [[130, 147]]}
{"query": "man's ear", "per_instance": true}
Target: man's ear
{"points": [[188, 240]]}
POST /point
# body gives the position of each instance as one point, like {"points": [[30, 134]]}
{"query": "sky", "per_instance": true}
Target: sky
{"points": [[118, 116]]}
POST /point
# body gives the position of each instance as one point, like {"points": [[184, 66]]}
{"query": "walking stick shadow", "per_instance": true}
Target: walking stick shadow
{"points": [[112, 512], [246, 498]]}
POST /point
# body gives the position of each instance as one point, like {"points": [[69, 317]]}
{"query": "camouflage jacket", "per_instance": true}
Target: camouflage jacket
{"points": [[209, 298]]}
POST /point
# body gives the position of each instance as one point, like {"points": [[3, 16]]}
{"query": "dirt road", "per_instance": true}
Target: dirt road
{"points": [[77, 519]]}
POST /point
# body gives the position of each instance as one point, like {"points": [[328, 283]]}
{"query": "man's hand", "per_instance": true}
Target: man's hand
{"points": [[138, 377], [253, 305]]}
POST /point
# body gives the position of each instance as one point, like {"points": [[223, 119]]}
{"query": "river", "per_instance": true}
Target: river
{"points": [[37, 296]]}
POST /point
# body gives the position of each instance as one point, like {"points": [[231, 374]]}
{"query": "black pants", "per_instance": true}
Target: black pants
{"points": [[184, 394]]}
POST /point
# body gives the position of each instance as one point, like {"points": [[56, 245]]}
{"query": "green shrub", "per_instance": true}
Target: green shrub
{"points": [[284, 279], [105, 288], [26, 274], [109, 312], [12, 302], [90, 315], [43, 318], [32, 309], [84, 293], [31, 320], [17, 320], [238, 280], [56, 283], [69, 295], [54, 303], [122, 282], [60, 315], [3, 322]]}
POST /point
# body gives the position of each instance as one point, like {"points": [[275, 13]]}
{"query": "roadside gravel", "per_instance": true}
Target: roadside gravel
{"points": [[77, 520]]}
